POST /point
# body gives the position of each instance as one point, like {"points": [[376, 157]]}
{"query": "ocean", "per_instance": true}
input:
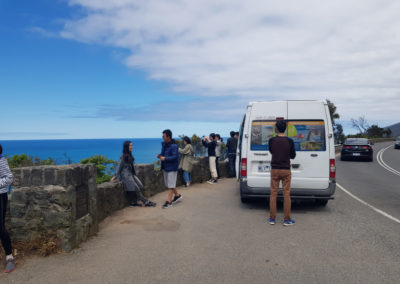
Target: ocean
{"points": [[145, 150]]}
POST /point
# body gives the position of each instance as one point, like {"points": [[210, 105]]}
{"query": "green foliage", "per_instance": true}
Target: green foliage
{"points": [[332, 111], [24, 160], [104, 167], [198, 148], [374, 131]]}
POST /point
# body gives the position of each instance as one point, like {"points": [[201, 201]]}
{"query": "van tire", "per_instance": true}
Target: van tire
{"points": [[244, 200], [321, 202]]}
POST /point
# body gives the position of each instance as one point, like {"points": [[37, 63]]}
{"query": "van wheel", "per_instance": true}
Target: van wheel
{"points": [[321, 202], [244, 200]]}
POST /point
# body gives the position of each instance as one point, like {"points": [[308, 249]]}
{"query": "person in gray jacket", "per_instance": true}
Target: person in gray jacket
{"points": [[126, 173], [6, 179], [186, 163]]}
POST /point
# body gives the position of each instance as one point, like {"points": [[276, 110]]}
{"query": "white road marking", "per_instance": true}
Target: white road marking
{"points": [[369, 205], [382, 162]]}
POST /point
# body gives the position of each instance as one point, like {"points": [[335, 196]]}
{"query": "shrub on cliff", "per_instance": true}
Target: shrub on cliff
{"points": [[24, 160], [104, 166]]}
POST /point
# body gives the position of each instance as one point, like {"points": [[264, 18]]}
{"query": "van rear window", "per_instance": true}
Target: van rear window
{"points": [[307, 135]]}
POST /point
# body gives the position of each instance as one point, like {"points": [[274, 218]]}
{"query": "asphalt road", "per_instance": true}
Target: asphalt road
{"points": [[210, 237], [372, 182]]}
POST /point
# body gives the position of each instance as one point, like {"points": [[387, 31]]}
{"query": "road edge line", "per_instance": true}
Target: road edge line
{"points": [[369, 205]]}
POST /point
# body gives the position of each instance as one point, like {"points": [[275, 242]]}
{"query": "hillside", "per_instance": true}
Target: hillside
{"points": [[395, 129]]}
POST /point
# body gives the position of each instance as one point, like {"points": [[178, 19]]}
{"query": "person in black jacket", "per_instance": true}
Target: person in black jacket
{"points": [[282, 150], [210, 144], [231, 146]]}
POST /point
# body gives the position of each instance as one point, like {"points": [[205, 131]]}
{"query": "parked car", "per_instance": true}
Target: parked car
{"points": [[397, 143], [310, 127], [357, 148]]}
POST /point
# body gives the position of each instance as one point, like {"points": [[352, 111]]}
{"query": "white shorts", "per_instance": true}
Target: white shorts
{"points": [[170, 179]]}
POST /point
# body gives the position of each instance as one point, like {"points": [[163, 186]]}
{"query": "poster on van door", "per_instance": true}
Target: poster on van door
{"points": [[306, 135]]}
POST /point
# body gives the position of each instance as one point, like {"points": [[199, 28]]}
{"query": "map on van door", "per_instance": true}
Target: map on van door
{"points": [[307, 135]]}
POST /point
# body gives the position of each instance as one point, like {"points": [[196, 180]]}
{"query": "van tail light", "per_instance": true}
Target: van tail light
{"points": [[332, 168], [243, 167]]}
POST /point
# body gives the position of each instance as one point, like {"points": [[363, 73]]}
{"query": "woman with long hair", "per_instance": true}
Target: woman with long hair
{"points": [[186, 163], [126, 173]]}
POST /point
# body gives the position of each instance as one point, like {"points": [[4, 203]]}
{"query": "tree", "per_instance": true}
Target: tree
{"points": [[104, 167], [361, 124], [332, 111], [24, 160], [338, 133], [374, 131]]}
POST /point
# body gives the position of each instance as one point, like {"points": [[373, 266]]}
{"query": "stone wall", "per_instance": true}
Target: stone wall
{"points": [[52, 201], [64, 201]]}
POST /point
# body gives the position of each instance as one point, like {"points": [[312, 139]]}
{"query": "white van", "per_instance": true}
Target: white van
{"points": [[309, 125]]}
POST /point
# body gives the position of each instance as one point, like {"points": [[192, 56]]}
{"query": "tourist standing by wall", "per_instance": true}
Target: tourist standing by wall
{"points": [[186, 163], [282, 150], [6, 179], [210, 144], [169, 164], [126, 173], [218, 152], [231, 146]]}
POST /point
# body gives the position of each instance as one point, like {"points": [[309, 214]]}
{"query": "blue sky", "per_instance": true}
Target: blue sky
{"points": [[127, 68]]}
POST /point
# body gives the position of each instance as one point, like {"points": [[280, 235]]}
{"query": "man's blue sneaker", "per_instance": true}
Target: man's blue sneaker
{"points": [[271, 221], [289, 222]]}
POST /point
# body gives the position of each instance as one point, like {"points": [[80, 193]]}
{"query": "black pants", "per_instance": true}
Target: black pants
{"points": [[134, 196], [5, 237], [216, 166], [232, 161]]}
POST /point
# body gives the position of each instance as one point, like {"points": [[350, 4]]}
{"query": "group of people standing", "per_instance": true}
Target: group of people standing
{"points": [[170, 164]]}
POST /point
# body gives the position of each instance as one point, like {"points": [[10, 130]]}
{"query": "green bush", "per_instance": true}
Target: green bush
{"points": [[24, 160], [104, 167]]}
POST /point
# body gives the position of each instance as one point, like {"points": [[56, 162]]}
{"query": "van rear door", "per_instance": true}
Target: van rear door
{"points": [[262, 120], [308, 127]]}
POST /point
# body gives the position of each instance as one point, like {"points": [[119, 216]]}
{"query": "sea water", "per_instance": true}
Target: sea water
{"points": [[145, 150]]}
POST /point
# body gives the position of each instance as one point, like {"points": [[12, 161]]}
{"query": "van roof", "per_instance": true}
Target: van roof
{"points": [[253, 102]]}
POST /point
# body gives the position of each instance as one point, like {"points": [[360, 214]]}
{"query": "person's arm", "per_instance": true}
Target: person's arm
{"points": [[174, 156], [270, 144], [7, 178], [292, 149], [205, 143], [185, 151]]}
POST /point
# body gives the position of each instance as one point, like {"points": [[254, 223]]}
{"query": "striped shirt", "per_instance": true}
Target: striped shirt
{"points": [[6, 176]]}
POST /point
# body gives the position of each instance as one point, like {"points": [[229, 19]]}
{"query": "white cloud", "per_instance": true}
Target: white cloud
{"points": [[347, 51]]}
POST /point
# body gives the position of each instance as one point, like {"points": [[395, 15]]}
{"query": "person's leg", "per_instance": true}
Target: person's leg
{"points": [[231, 165], [213, 170], [139, 196], [171, 192], [287, 202], [186, 177], [274, 193], [5, 237], [216, 167], [131, 196]]}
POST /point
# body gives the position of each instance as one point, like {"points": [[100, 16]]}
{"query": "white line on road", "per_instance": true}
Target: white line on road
{"points": [[382, 162], [369, 205]]}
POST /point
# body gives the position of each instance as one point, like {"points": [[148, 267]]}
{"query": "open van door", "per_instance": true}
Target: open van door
{"points": [[238, 149]]}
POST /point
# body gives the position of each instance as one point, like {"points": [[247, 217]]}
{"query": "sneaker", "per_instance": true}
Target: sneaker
{"points": [[135, 205], [176, 198], [289, 222], [271, 221], [212, 181], [10, 266], [166, 205], [150, 204]]}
